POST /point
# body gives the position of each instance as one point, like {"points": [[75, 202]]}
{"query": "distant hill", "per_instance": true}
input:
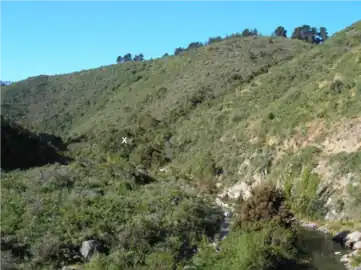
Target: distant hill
{"points": [[254, 98], [253, 92], [63, 103]]}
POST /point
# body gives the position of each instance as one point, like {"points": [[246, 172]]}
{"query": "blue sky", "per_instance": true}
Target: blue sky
{"points": [[62, 37]]}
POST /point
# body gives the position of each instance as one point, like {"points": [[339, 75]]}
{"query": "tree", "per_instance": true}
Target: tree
{"points": [[304, 32], [178, 51], [280, 32], [246, 33], [4, 83], [267, 205], [323, 33], [249, 32], [310, 34], [138, 58], [127, 57], [119, 60], [254, 32], [165, 55], [308, 37], [297, 33], [214, 39], [194, 45]]}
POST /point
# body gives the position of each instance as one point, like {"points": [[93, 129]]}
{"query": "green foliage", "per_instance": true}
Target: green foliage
{"points": [[347, 162], [353, 202], [139, 219], [280, 32], [356, 260], [266, 206], [303, 158], [263, 236], [216, 108], [302, 194], [248, 250]]}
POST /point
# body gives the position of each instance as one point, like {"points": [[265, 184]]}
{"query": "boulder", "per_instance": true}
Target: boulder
{"points": [[310, 225], [72, 267], [357, 245], [240, 189], [356, 252], [323, 229], [89, 248], [344, 259], [352, 238]]}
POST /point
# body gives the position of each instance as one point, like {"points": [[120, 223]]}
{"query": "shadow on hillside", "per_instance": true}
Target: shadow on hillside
{"points": [[291, 264], [142, 177], [23, 149]]}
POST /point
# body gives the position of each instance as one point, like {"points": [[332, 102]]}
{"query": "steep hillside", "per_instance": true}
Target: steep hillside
{"points": [[246, 109], [59, 104], [244, 106]]}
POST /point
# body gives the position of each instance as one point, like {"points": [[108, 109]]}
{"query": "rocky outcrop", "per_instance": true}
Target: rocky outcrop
{"points": [[234, 192], [352, 239]]}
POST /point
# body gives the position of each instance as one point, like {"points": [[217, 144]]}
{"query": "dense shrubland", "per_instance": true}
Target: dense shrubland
{"points": [[239, 109]]}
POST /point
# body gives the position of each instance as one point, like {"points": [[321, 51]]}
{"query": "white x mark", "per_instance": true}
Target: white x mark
{"points": [[124, 139]]}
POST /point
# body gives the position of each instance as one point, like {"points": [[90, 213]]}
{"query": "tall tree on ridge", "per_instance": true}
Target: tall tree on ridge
{"points": [[178, 51], [119, 60], [127, 57], [323, 33], [280, 32], [138, 58]]}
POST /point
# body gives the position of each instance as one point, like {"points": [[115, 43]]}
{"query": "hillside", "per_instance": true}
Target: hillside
{"points": [[22, 149], [58, 104], [245, 109]]}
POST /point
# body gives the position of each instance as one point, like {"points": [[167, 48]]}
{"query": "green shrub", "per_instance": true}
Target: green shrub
{"points": [[266, 206], [353, 202], [302, 194], [248, 250]]}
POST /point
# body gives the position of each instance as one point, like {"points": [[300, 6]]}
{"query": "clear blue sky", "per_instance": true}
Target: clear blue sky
{"points": [[62, 37]]}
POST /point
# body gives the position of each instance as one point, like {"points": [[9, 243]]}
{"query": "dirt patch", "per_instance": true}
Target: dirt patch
{"points": [[323, 84], [338, 77], [313, 131], [273, 140], [353, 92], [344, 137], [290, 144], [245, 90]]}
